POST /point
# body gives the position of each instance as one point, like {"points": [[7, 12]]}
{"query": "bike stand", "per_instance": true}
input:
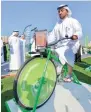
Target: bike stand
{"points": [[12, 106]]}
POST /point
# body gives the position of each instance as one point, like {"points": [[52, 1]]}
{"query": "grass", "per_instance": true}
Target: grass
{"points": [[6, 91], [80, 71], [7, 83]]}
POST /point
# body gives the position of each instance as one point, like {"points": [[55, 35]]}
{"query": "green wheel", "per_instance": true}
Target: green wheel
{"points": [[27, 82]]}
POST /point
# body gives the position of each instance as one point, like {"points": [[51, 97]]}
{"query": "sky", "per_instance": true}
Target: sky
{"points": [[16, 15]]}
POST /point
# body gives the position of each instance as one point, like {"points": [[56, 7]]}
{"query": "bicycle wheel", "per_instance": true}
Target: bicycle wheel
{"points": [[27, 82]]}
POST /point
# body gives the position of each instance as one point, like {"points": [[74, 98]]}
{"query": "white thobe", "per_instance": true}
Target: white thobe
{"points": [[15, 54], [66, 48]]}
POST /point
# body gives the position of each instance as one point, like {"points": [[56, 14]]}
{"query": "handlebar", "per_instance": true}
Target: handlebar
{"points": [[53, 43]]}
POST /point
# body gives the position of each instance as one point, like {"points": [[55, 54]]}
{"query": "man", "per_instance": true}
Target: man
{"points": [[66, 27], [15, 54], [22, 45], [5, 51]]}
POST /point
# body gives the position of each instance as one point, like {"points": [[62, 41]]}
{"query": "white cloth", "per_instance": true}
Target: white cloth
{"points": [[15, 56], [33, 49], [15, 33], [22, 47], [2, 53], [67, 48]]}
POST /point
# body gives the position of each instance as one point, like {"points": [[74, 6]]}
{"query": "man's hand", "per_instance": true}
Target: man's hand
{"points": [[74, 37]]}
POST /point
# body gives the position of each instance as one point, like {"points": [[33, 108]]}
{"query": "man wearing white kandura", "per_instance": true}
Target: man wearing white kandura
{"points": [[22, 47], [15, 54], [66, 27]]}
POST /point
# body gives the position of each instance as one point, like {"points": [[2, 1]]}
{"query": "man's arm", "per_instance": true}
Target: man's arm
{"points": [[77, 30]]}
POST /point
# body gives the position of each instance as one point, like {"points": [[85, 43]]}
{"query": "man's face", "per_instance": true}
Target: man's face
{"points": [[62, 12], [23, 37], [16, 34]]}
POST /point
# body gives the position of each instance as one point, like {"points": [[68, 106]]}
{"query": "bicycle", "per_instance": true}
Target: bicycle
{"points": [[37, 78]]}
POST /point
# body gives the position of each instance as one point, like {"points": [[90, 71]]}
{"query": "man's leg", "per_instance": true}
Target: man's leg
{"points": [[69, 69], [69, 75]]}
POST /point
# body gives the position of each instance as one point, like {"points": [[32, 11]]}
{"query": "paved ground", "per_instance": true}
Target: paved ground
{"points": [[5, 69], [69, 97]]}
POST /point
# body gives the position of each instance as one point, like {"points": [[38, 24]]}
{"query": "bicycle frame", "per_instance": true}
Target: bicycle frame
{"points": [[54, 57]]}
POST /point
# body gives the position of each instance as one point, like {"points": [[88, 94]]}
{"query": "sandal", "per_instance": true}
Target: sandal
{"points": [[68, 78]]}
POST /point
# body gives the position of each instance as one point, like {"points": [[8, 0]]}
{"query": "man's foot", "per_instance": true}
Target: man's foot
{"points": [[68, 78]]}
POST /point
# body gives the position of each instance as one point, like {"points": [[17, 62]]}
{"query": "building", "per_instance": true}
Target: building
{"points": [[89, 44]]}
